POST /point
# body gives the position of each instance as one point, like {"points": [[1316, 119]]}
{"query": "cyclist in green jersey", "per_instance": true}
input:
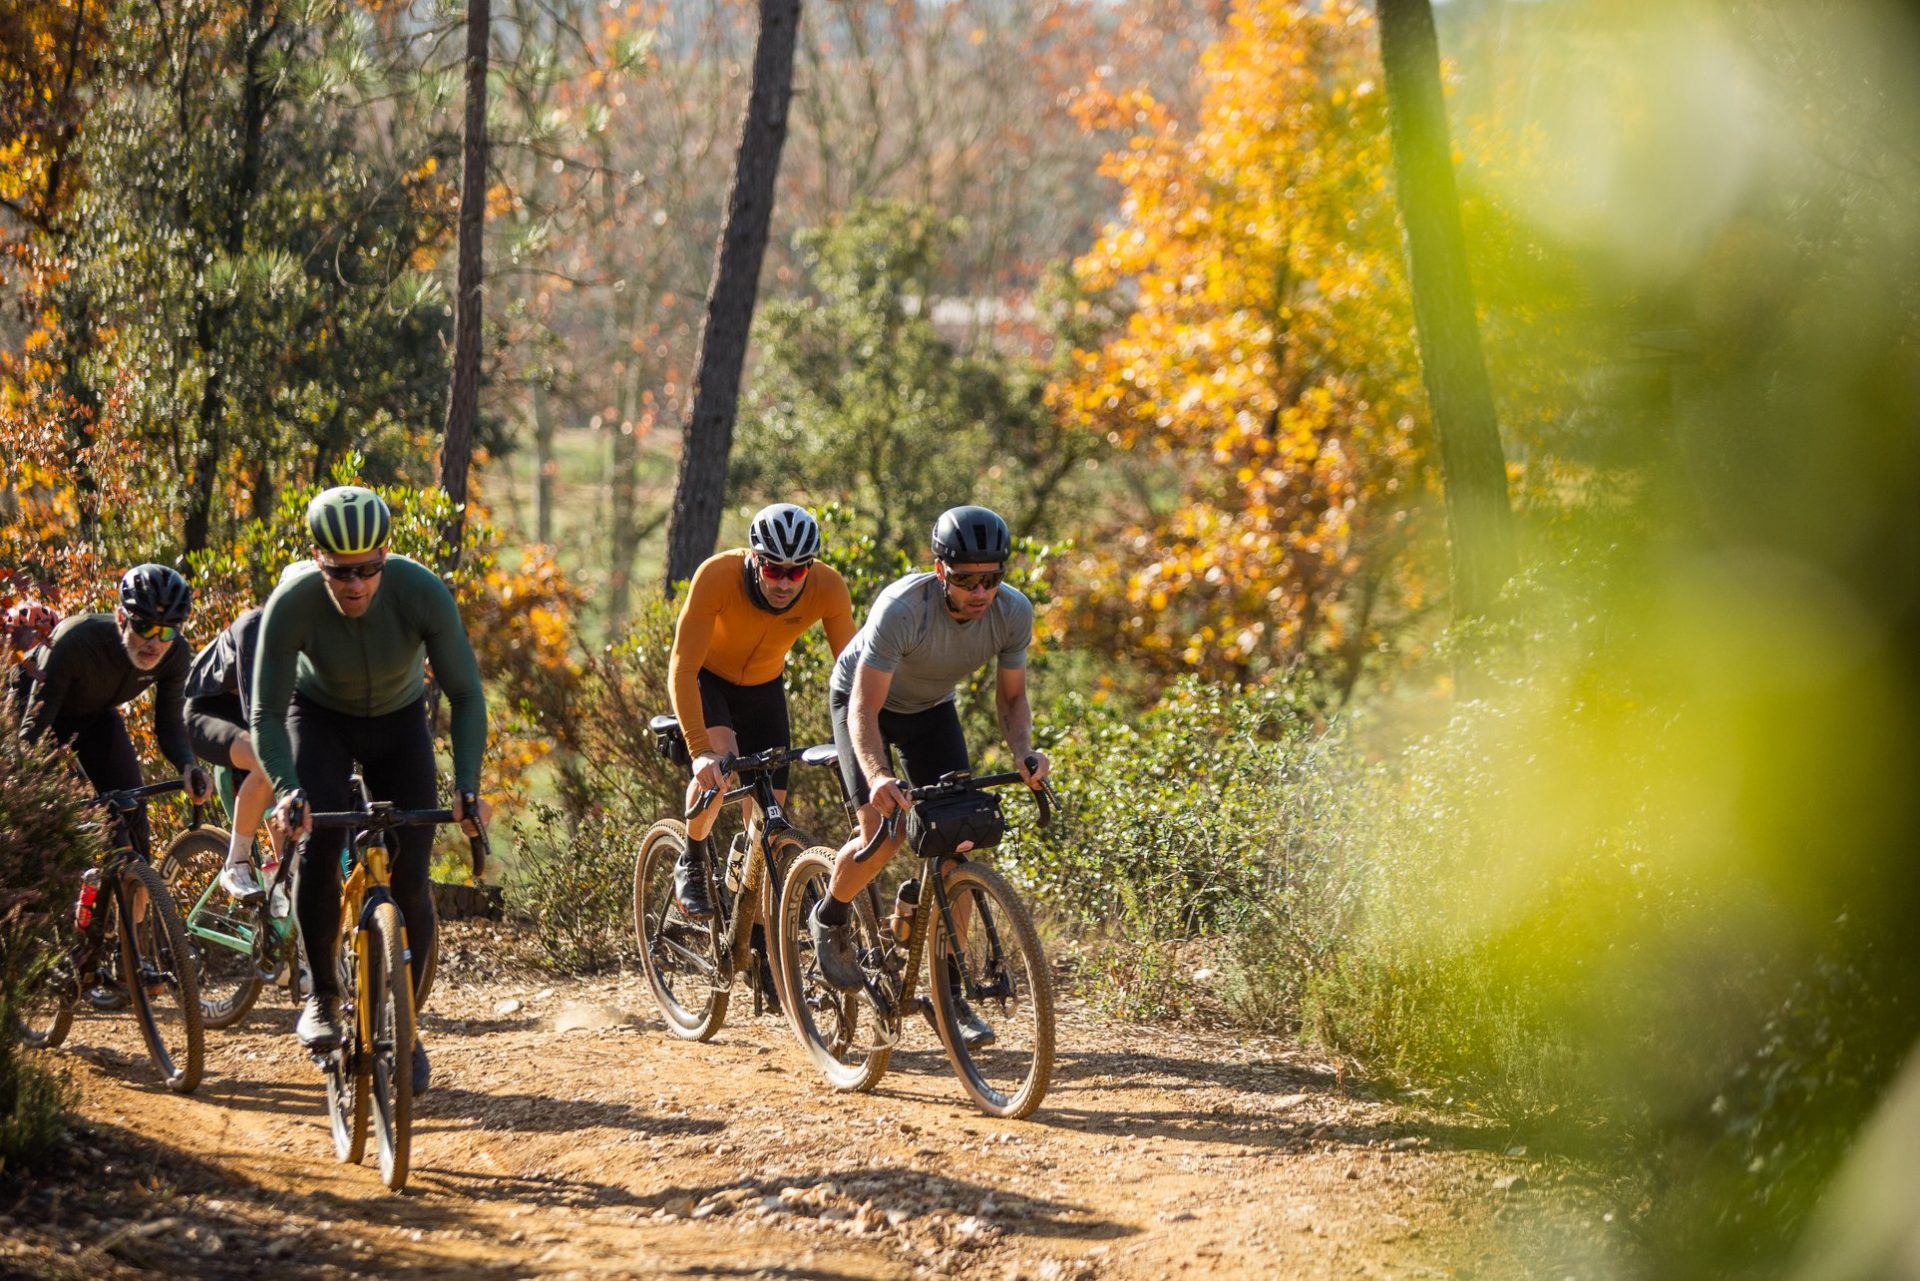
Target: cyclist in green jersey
{"points": [[340, 680]]}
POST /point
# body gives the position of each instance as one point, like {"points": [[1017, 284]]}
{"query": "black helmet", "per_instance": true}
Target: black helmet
{"points": [[971, 535], [156, 594]]}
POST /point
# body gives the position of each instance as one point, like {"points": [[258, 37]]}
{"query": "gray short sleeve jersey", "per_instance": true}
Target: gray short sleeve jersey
{"points": [[910, 633]]}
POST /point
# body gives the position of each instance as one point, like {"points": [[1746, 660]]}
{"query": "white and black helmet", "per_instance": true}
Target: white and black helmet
{"points": [[156, 594], [785, 534]]}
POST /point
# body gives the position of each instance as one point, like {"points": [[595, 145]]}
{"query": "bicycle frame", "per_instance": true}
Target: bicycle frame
{"points": [[889, 1008], [731, 945]]}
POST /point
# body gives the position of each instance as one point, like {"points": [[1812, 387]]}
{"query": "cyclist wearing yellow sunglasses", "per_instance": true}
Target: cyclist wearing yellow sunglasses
{"points": [[96, 662]]}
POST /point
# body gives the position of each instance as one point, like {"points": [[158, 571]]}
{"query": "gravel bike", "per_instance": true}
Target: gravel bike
{"points": [[369, 1073], [243, 944], [991, 991], [690, 965], [110, 956]]}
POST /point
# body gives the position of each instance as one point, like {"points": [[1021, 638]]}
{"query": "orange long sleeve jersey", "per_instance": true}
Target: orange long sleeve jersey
{"points": [[722, 630]]}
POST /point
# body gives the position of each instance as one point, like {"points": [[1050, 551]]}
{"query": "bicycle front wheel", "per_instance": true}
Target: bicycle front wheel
{"points": [[677, 954], [841, 1031], [349, 1080], [222, 929], [161, 971], [992, 989], [387, 987]]}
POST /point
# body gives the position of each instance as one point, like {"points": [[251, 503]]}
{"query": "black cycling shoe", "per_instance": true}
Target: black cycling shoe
{"points": [[975, 1032], [690, 882], [833, 951], [107, 997], [319, 1025], [422, 1070]]}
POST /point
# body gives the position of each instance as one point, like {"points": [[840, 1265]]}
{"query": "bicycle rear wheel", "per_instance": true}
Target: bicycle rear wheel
{"points": [[841, 1031], [229, 976], [161, 970], [677, 954], [1005, 980], [388, 987]]}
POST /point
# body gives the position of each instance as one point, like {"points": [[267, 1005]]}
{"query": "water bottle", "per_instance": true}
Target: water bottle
{"points": [[904, 905], [89, 895]]}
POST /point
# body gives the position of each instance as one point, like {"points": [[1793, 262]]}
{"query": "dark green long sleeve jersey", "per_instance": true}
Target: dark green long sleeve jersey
{"points": [[366, 666]]}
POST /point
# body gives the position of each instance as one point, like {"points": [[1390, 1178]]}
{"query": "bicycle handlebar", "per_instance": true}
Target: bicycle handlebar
{"points": [[950, 784], [126, 798], [760, 763], [388, 819]]}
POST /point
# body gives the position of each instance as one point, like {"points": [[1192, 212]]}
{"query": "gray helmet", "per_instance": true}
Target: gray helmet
{"points": [[347, 520], [156, 594], [784, 533], [971, 535]]}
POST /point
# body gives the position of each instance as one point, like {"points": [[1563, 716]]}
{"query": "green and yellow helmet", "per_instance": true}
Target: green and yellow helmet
{"points": [[347, 520]]}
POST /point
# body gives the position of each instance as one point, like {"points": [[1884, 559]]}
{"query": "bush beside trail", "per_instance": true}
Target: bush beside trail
{"points": [[44, 845]]}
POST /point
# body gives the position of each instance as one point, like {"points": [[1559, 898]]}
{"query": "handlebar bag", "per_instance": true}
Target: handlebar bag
{"points": [[948, 826]]}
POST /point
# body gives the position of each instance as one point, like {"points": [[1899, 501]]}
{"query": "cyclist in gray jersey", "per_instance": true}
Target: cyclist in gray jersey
{"points": [[893, 688]]}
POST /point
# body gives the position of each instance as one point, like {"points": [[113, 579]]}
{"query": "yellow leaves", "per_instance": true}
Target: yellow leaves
{"points": [[1266, 365]]}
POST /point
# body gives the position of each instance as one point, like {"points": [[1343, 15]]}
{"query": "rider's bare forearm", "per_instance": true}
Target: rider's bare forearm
{"points": [[1016, 725]]}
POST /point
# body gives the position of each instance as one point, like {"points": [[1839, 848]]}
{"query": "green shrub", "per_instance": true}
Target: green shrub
{"points": [[44, 845], [576, 880]]}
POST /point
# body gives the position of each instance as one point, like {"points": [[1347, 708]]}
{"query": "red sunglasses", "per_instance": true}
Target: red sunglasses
{"points": [[785, 573]]}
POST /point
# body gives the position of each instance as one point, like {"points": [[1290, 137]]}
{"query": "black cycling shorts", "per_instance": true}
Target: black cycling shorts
{"points": [[215, 723], [757, 714], [929, 744]]}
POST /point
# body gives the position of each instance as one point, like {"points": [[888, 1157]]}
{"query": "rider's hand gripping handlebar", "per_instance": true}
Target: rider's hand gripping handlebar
{"points": [[477, 840]]}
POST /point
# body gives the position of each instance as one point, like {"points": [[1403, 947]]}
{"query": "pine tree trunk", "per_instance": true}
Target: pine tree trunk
{"points": [[463, 403], [707, 439], [544, 466], [1472, 464]]}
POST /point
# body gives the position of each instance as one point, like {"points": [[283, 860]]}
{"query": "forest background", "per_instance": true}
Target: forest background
{"points": [[1619, 855]]}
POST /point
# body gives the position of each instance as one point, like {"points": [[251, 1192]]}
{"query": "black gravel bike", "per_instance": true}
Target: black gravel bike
{"points": [[991, 1000], [690, 965], [110, 956]]}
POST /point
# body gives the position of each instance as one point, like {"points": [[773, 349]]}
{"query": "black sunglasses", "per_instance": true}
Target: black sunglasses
{"points": [[341, 573], [974, 582]]}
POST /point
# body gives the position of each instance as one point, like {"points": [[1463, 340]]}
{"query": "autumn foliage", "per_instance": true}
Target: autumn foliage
{"points": [[1263, 381]]}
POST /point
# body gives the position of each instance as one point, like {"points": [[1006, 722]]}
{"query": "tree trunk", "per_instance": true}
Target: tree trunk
{"points": [[623, 479], [463, 404], [707, 439], [1472, 465], [544, 465], [256, 100]]}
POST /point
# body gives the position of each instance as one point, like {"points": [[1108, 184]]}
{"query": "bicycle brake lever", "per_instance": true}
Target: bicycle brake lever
{"points": [[477, 844]]}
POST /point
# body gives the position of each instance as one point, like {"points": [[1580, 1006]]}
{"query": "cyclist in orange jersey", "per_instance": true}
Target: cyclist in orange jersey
{"points": [[744, 610]]}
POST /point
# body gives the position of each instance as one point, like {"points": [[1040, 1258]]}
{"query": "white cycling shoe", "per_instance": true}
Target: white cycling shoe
{"points": [[238, 880]]}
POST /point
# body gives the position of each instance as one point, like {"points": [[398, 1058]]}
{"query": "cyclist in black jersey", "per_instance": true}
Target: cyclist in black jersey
{"points": [[94, 663], [219, 699]]}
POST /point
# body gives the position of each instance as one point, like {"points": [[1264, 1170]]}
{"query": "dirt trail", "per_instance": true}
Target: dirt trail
{"points": [[567, 1133]]}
